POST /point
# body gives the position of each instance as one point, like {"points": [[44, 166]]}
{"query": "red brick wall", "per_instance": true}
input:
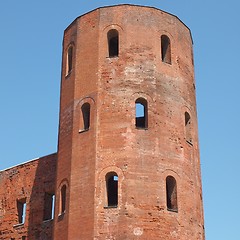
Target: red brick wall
{"points": [[76, 163], [27, 181], [141, 158]]}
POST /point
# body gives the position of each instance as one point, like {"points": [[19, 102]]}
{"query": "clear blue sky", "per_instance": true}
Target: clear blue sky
{"points": [[30, 66]]}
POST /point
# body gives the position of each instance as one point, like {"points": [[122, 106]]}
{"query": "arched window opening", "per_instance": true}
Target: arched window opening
{"points": [[69, 60], [166, 49], [171, 188], [63, 199], [188, 128], [86, 116], [141, 111], [113, 43], [112, 189]]}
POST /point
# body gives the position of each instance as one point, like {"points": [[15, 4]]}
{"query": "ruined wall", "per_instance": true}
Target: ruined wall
{"points": [[28, 182]]}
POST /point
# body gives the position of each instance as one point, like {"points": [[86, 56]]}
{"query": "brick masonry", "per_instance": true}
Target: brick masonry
{"points": [[141, 158], [27, 181]]}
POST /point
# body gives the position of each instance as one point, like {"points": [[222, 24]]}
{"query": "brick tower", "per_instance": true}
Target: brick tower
{"points": [[128, 156]]}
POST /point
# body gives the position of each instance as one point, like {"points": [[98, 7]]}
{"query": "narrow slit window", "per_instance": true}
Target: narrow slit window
{"points": [[86, 116], [21, 208], [48, 206], [113, 43], [166, 49], [69, 60], [112, 189], [141, 112], [171, 191], [63, 199], [188, 128]]}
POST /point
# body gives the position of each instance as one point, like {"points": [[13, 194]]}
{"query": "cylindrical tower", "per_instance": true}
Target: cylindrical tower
{"points": [[128, 156]]}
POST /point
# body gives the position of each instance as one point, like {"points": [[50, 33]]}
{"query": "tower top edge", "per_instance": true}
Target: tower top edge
{"points": [[130, 5]]}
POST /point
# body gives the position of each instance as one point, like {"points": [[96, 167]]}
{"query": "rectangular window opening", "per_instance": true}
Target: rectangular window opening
{"points": [[113, 43], [62, 202], [171, 187], [49, 199], [21, 208], [112, 189], [141, 113]]}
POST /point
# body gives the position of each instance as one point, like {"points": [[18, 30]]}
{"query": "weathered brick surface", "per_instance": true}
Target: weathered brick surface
{"points": [[27, 181], [141, 158]]}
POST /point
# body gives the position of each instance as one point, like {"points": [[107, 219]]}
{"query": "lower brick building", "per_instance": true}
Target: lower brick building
{"points": [[27, 199]]}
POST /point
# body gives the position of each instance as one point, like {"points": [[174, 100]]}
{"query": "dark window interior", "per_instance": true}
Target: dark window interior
{"points": [[21, 208], [171, 187], [86, 115], [188, 128], [113, 43], [70, 60], [112, 189], [48, 206], [166, 49], [141, 120], [63, 199]]}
